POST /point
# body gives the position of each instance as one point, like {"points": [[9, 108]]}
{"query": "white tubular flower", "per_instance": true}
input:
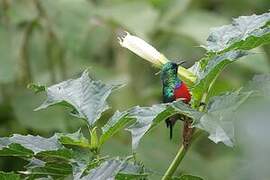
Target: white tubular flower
{"points": [[149, 53], [142, 49]]}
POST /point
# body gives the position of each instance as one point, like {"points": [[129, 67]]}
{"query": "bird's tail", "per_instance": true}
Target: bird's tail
{"points": [[170, 123]]}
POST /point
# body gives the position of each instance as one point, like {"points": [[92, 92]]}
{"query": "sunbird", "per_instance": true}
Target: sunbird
{"points": [[174, 88]]}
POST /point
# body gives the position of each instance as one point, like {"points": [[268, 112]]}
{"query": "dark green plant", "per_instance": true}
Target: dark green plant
{"points": [[78, 156]]}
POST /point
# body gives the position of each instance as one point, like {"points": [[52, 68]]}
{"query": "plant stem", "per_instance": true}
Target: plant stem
{"points": [[179, 157], [177, 160]]}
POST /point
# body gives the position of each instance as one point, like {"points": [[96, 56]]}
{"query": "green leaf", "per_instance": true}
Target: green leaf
{"points": [[140, 120], [87, 96], [225, 45], [148, 118], [74, 139], [245, 32], [117, 122], [186, 110], [50, 169], [9, 176], [107, 170], [56, 155], [111, 169], [209, 67], [34, 162], [218, 121], [188, 177], [19, 145], [228, 101], [145, 117], [132, 171], [13, 149]]}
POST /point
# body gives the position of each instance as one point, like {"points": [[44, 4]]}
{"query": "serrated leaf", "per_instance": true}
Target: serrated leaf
{"points": [[34, 162], [187, 177], [225, 45], [56, 155], [74, 139], [87, 96], [111, 169], [145, 117], [209, 67], [148, 118], [9, 176], [186, 110], [14, 149], [245, 32], [34, 143], [133, 176], [83, 161], [56, 164], [54, 170], [117, 122], [140, 120], [228, 101], [218, 121], [106, 171], [47, 149], [219, 126], [132, 171]]}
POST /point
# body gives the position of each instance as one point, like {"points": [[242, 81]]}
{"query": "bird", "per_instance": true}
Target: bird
{"points": [[173, 88]]}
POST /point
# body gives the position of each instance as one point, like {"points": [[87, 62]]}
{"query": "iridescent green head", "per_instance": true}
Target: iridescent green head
{"points": [[169, 71]]}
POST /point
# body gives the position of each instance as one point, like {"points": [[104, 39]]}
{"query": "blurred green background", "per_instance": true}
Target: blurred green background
{"points": [[47, 41]]}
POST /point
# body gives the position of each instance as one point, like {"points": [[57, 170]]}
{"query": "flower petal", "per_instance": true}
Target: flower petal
{"points": [[141, 48]]}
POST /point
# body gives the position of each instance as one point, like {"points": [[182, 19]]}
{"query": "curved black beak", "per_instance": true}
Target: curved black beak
{"points": [[180, 63]]}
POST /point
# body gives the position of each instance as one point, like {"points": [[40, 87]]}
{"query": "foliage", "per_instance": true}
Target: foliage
{"points": [[9, 176], [79, 156], [87, 97], [226, 44]]}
